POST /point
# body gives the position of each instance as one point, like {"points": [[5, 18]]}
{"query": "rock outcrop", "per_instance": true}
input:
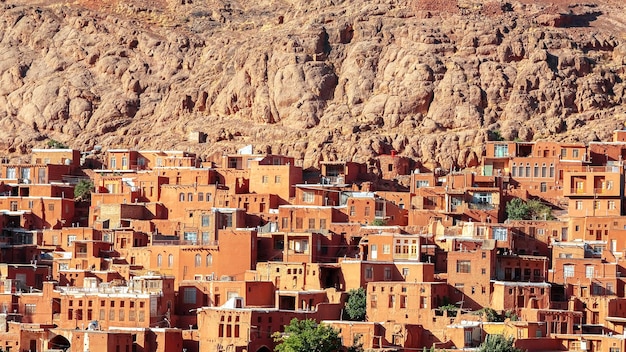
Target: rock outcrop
{"points": [[319, 80]]}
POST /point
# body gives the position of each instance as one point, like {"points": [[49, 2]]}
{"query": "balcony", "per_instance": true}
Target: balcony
{"points": [[457, 209], [332, 180], [481, 206], [405, 256], [185, 243], [455, 191], [606, 191], [595, 192], [580, 191]]}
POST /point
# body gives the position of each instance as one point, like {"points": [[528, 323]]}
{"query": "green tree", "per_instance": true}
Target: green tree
{"points": [[490, 314], [538, 210], [379, 222], [307, 335], [509, 314], [356, 304], [498, 343], [450, 308], [56, 144], [83, 190], [494, 135], [517, 209]]}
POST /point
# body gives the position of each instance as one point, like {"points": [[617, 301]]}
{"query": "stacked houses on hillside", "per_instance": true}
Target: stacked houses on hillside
{"points": [[171, 253]]}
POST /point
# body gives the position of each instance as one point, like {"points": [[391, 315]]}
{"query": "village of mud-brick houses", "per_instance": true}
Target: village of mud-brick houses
{"points": [[170, 252]]}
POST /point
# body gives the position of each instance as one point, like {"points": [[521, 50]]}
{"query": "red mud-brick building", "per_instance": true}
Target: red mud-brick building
{"points": [[180, 256]]}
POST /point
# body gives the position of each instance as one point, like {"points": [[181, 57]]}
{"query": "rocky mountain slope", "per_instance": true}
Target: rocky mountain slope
{"points": [[319, 80]]}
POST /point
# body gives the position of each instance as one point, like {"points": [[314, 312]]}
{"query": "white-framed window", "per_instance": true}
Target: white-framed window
{"points": [[463, 266], [206, 220], [308, 197], [482, 198], [299, 246], [500, 233], [30, 309], [190, 236], [422, 183], [501, 150], [589, 271], [568, 270], [11, 173]]}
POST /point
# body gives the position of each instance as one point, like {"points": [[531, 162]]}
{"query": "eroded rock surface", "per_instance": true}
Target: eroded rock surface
{"points": [[319, 80]]}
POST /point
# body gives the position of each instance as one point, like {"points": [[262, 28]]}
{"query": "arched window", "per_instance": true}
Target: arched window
{"points": [[198, 260], [528, 170], [209, 259], [208, 197], [159, 260], [170, 260], [200, 197], [551, 170], [536, 174], [544, 170], [181, 197], [190, 197], [514, 170]]}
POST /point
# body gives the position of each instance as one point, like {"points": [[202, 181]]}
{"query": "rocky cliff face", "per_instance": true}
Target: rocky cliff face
{"points": [[319, 80]]}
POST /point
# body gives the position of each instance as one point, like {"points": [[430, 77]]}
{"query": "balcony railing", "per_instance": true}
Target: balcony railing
{"points": [[596, 191], [605, 191], [185, 243], [577, 191], [481, 206], [332, 180], [458, 209]]}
